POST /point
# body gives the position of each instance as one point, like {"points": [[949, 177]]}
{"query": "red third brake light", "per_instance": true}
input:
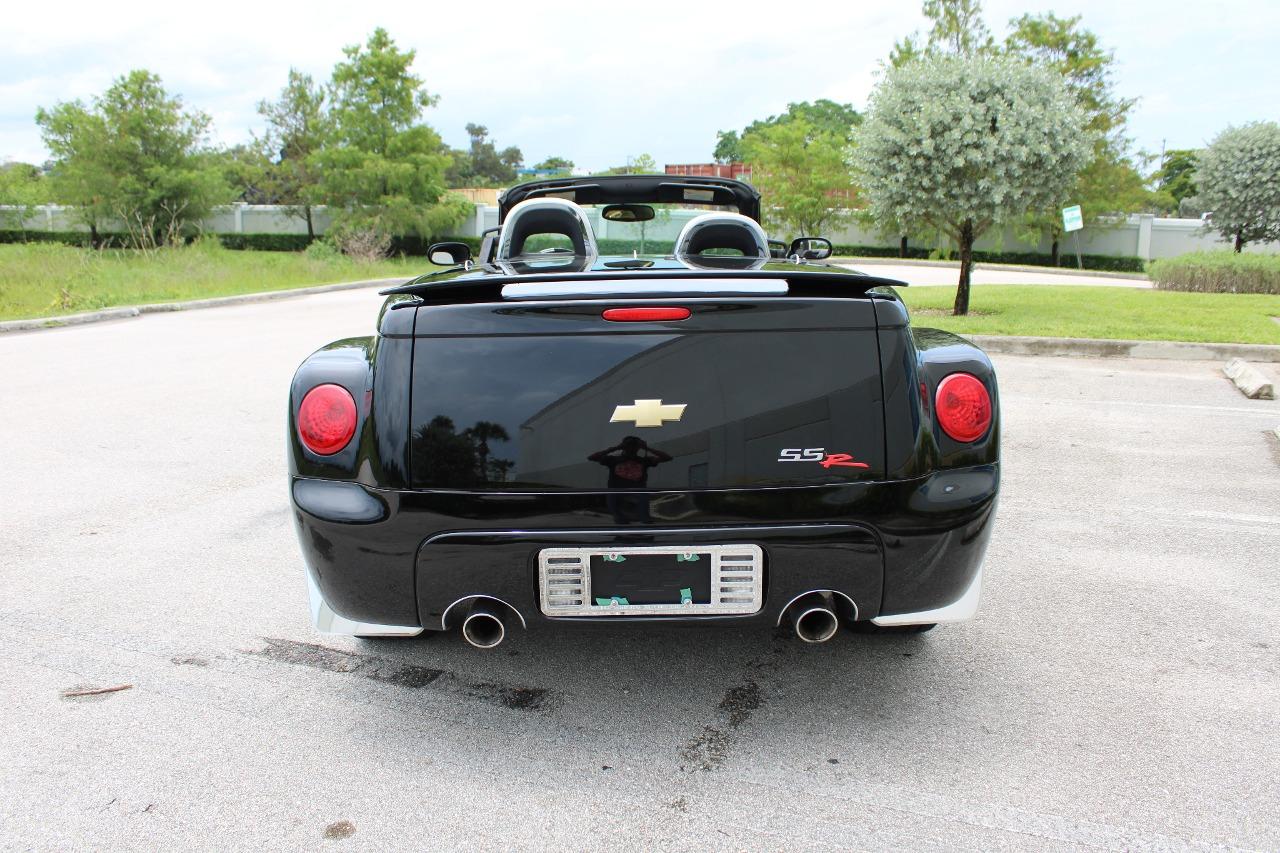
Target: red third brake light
{"points": [[964, 407], [326, 419], [645, 315]]}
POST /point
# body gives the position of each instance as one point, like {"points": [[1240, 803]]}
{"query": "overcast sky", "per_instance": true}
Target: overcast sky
{"points": [[600, 82]]}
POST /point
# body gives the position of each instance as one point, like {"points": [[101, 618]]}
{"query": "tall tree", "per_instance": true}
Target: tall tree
{"points": [[1111, 183], [822, 115], [963, 143], [135, 156], [801, 171], [1177, 175], [481, 164], [297, 127], [1239, 178], [382, 169], [958, 27]]}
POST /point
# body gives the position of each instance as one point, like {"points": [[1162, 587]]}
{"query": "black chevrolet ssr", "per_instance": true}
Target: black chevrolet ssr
{"points": [[728, 431]]}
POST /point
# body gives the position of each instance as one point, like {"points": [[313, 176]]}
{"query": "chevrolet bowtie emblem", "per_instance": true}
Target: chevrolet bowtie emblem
{"points": [[648, 413]]}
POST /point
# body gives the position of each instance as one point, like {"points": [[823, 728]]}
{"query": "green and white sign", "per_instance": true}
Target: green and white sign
{"points": [[1072, 220]]}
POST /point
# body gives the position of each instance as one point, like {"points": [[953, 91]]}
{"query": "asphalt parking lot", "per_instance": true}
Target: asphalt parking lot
{"points": [[1119, 690]]}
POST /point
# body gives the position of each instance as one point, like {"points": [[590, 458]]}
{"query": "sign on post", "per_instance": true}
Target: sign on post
{"points": [[1073, 220]]}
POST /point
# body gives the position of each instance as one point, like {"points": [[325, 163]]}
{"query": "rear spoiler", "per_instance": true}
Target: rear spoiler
{"points": [[464, 286]]}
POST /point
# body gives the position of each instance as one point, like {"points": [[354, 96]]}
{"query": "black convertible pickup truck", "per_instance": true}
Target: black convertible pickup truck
{"points": [[727, 431]]}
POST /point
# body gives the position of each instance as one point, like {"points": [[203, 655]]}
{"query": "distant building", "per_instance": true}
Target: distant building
{"points": [[529, 173], [737, 171], [478, 195]]}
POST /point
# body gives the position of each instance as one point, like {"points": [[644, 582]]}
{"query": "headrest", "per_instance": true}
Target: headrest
{"points": [[731, 231], [538, 216]]}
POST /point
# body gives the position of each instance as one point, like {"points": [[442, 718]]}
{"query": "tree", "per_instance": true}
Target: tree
{"points": [[482, 164], [382, 170], [22, 187], [1110, 183], [801, 171], [297, 127], [958, 27], [248, 171], [642, 164], [962, 143], [728, 147], [1239, 178], [1177, 175], [559, 165], [822, 115], [135, 155]]}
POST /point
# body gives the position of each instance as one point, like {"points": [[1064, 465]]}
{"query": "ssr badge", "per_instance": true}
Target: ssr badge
{"points": [[821, 456]]}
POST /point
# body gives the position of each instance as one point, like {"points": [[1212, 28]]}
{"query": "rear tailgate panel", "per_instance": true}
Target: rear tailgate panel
{"points": [[521, 397]]}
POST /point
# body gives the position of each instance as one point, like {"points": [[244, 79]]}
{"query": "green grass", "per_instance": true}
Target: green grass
{"points": [[1100, 312], [45, 280]]}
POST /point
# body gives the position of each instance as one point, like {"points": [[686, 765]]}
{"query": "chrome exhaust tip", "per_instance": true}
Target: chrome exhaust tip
{"points": [[815, 624], [483, 627]]}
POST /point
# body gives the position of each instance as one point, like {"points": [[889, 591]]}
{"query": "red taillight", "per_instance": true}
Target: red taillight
{"points": [[964, 407], [645, 315], [326, 419]]}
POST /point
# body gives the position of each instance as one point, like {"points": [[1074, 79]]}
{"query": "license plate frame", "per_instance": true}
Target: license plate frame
{"points": [[737, 581]]}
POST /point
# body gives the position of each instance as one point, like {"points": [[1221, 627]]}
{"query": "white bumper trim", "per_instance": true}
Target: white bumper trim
{"points": [[962, 609], [329, 622]]}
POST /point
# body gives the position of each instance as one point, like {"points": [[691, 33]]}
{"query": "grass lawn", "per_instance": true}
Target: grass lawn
{"points": [[1100, 312], [44, 280]]}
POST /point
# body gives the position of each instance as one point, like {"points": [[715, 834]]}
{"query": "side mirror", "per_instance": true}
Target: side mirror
{"points": [[777, 249], [449, 254], [628, 213], [810, 248]]}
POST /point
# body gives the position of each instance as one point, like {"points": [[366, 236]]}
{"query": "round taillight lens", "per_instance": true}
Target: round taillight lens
{"points": [[326, 419], [964, 407]]}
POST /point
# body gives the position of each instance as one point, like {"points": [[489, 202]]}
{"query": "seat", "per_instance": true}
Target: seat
{"points": [[721, 234], [545, 216]]}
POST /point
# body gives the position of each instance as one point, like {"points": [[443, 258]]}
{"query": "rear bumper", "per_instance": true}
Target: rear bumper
{"points": [[393, 563]]}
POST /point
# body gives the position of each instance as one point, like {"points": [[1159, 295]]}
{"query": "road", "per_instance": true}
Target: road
{"points": [[1119, 689], [938, 275]]}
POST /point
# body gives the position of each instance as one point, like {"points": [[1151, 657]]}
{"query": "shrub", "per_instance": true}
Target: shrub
{"points": [[266, 242], [362, 244], [1222, 271], [322, 250]]}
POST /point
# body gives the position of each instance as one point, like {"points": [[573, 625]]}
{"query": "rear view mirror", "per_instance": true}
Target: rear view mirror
{"points": [[449, 254], [628, 213], [810, 248]]}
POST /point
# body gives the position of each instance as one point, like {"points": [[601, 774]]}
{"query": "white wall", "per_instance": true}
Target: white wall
{"points": [[1140, 235]]}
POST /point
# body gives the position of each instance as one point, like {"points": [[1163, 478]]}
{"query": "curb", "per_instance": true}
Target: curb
{"points": [[1102, 348], [955, 265], [124, 313]]}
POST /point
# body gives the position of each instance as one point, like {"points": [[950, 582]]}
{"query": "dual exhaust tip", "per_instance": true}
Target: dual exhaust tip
{"points": [[814, 618]]}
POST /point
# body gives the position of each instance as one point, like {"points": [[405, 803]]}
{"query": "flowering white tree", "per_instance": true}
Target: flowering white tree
{"points": [[961, 143], [1239, 180]]}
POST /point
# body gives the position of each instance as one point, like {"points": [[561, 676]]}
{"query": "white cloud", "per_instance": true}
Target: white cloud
{"points": [[599, 82]]}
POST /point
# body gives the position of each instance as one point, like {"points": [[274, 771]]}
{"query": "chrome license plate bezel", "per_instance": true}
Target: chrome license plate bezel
{"points": [[737, 581]]}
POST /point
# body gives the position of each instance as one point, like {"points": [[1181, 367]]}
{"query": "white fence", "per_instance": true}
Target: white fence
{"points": [[1140, 235]]}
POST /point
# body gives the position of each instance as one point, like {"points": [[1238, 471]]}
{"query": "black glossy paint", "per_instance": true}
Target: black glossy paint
{"points": [[522, 398], [426, 528]]}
